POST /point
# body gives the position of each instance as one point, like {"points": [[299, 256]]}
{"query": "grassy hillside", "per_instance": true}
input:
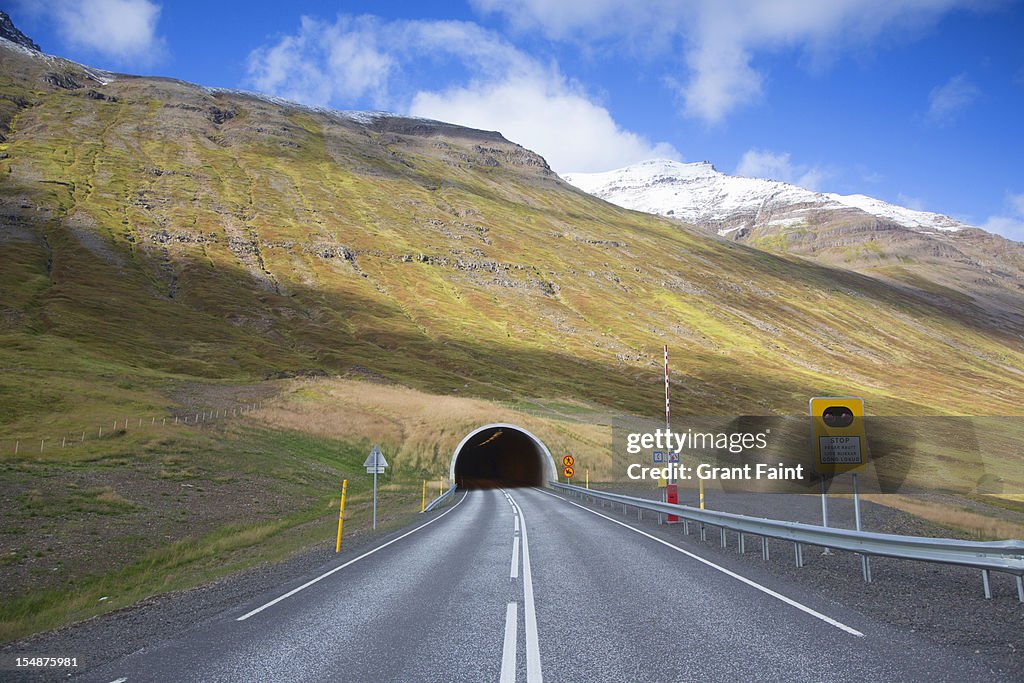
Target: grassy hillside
{"points": [[156, 227], [167, 250]]}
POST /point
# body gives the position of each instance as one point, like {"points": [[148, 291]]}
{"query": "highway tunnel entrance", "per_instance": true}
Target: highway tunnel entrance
{"points": [[501, 455]]}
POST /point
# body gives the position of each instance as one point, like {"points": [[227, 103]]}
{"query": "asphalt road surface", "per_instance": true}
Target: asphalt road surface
{"points": [[523, 585]]}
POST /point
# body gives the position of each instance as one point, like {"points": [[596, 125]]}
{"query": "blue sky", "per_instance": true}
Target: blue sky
{"points": [[918, 102]]}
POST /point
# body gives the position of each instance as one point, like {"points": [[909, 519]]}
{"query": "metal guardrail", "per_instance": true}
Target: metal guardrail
{"points": [[1003, 556], [440, 499]]}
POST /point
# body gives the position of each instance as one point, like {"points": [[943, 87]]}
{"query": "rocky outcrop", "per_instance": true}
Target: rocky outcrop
{"points": [[8, 31]]}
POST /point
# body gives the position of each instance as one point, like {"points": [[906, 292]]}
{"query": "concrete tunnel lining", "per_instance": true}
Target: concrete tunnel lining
{"points": [[475, 439]]}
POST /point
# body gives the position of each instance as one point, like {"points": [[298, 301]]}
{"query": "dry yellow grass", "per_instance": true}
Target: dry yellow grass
{"points": [[422, 429], [973, 523]]}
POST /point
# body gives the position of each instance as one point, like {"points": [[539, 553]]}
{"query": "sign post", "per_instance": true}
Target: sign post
{"points": [[840, 445], [375, 465]]}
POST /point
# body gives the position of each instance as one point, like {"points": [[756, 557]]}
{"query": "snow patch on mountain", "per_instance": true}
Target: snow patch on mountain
{"points": [[699, 193]]}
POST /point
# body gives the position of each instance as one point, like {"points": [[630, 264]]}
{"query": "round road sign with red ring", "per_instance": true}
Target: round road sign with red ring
{"points": [[568, 461], [568, 472]]}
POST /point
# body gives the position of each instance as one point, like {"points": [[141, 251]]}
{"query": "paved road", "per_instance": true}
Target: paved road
{"points": [[523, 585]]}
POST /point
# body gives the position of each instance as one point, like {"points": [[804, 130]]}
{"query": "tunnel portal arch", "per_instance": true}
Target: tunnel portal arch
{"points": [[501, 454]]}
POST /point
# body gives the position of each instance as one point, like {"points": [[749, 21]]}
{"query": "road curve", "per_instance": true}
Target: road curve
{"points": [[523, 585]]}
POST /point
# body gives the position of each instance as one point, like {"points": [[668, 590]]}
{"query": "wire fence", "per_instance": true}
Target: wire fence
{"points": [[121, 426]]}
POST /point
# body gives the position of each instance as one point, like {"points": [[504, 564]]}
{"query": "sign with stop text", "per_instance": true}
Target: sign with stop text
{"points": [[837, 433]]}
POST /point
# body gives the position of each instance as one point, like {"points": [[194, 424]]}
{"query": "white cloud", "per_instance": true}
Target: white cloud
{"points": [[716, 41], [324, 62], [1007, 226], [1011, 223], [124, 30], [947, 101], [355, 59], [760, 163], [546, 115], [1016, 203], [915, 203]]}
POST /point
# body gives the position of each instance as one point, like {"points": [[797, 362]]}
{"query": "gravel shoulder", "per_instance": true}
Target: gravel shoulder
{"points": [[110, 636]]}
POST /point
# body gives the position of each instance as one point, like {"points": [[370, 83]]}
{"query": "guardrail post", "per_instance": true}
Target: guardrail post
{"points": [[984, 556]]}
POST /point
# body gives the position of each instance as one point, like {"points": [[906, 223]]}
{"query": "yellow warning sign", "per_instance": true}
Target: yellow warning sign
{"points": [[568, 461], [837, 430], [569, 472]]}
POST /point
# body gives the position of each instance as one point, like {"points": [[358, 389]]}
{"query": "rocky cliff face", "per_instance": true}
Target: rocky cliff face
{"points": [[8, 31]]}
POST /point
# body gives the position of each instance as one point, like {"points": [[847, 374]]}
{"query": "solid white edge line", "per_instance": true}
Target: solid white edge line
{"points": [[514, 573], [119, 680], [353, 561], [508, 651], [753, 584], [533, 669]]}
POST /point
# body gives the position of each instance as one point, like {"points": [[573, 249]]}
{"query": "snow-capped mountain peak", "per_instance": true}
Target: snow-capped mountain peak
{"points": [[698, 193]]}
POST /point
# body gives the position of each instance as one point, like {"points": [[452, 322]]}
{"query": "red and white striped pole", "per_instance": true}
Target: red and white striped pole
{"points": [[668, 410], [671, 487]]}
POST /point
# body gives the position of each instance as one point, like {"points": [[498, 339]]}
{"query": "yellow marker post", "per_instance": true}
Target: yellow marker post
{"points": [[423, 502], [701, 494], [588, 479], [341, 515]]}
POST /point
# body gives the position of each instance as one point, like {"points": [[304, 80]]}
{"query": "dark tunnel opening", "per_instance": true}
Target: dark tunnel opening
{"points": [[499, 456]]}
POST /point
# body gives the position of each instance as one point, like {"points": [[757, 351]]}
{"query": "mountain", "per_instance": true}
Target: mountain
{"points": [[169, 251], [931, 254], [700, 194], [10, 32], [154, 231]]}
